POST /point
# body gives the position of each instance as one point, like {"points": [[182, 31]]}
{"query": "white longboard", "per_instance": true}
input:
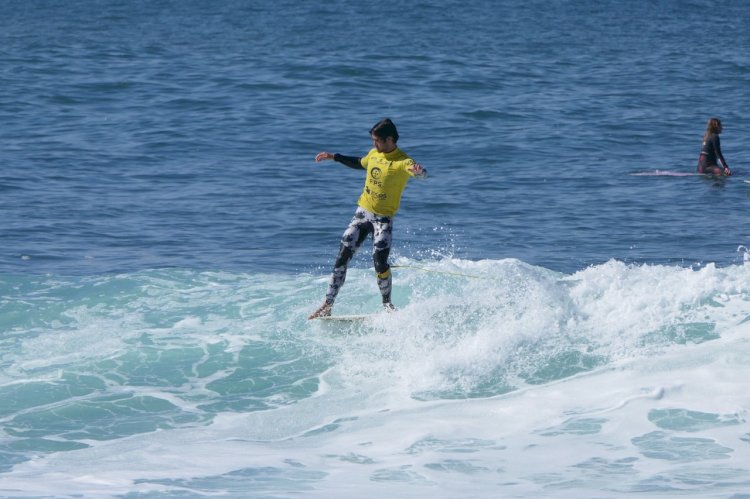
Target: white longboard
{"points": [[345, 318]]}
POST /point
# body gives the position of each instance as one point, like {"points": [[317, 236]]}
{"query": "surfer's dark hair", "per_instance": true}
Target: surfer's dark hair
{"points": [[384, 129], [713, 126]]}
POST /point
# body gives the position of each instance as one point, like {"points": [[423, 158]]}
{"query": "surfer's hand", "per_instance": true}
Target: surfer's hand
{"points": [[323, 155], [417, 169], [727, 171]]}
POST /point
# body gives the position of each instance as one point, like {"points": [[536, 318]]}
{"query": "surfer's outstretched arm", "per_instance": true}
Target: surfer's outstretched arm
{"points": [[350, 161]]}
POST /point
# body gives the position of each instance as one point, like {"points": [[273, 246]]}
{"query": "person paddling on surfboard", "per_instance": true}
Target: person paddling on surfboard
{"points": [[711, 151], [388, 170]]}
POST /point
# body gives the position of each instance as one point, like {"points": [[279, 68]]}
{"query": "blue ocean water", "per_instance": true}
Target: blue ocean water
{"points": [[567, 327]]}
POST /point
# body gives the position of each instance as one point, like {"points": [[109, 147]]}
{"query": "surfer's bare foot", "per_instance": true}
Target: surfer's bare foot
{"points": [[389, 307], [323, 311]]}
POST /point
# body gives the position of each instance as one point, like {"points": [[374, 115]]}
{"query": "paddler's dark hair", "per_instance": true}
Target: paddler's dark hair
{"points": [[384, 129], [713, 126]]}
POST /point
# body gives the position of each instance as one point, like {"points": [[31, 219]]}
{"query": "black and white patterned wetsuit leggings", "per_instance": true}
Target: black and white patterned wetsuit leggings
{"points": [[363, 224]]}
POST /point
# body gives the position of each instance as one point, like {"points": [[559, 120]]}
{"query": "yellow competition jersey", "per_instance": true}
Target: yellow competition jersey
{"points": [[387, 174]]}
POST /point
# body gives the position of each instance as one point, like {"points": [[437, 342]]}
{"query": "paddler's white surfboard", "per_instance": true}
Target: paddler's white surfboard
{"points": [[665, 173]]}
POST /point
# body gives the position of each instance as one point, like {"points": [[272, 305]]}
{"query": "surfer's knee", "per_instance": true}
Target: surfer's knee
{"points": [[380, 259], [345, 254]]}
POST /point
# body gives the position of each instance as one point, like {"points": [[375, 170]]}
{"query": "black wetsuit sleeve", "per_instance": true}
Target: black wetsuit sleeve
{"points": [[717, 150], [350, 161]]}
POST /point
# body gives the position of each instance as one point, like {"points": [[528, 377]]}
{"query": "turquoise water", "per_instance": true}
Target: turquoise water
{"points": [[508, 379], [565, 328]]}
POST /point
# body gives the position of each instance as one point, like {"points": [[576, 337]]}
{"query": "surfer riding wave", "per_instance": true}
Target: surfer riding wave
{"points": [[388, 170]]}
